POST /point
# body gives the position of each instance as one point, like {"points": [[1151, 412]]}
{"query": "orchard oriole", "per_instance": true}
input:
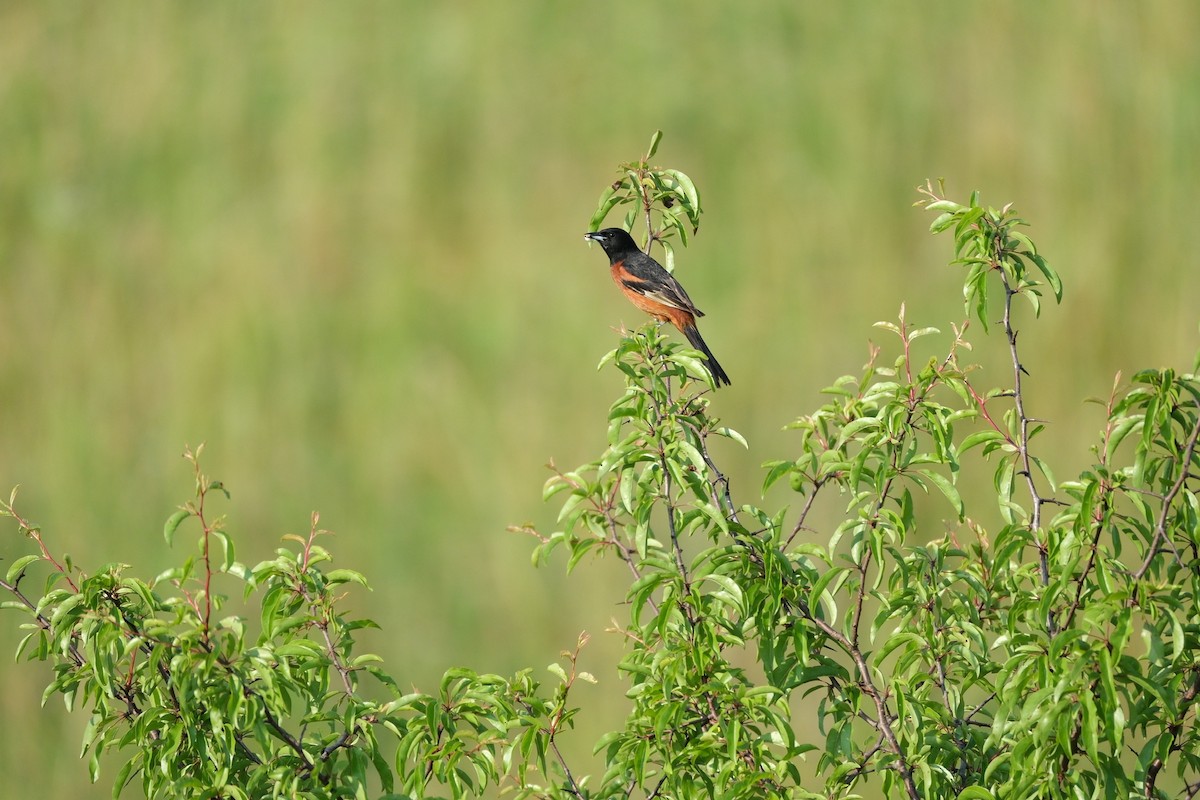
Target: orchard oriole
{"points": [[654, 290]]}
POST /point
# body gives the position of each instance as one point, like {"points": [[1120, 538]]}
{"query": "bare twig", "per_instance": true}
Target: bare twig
{"points": [[33, 532]]}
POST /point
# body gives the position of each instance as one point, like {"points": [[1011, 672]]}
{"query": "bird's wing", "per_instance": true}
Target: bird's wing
{"points": [[647, 277]]}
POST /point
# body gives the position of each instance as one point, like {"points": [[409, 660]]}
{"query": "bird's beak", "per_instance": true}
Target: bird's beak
{"points": [[592, 237]]}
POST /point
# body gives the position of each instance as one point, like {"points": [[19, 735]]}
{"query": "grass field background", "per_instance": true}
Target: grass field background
{"points": [[342, 244]]}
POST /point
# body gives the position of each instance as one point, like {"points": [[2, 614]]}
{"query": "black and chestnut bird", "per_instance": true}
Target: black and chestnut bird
{"points": [[654, 290]]}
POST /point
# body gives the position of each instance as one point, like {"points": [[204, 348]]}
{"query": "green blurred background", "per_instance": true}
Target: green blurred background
{"points": [[341, 244]]}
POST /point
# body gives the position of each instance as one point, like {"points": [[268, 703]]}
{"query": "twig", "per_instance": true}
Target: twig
{"points": [[624, 551], [42, 621], [1184, 706], [34, 533], [861, 769], [818, 484], [1022, 443], [1102, 508], [322, 612], [722, 499], [675, 546], [282, 732], [868, 687], [1160, 527], [669, 501]]}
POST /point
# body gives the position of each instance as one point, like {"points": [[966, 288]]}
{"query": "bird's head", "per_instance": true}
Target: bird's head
{"points": [[615, 241]]}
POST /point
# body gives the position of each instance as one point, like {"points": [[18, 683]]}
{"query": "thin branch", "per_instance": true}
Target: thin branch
{"points": [[341, 741], [281, 731], [818, 484], [722, 497], [669, 500], [647, 201], [572, 786], [968, 718], [675, 546], [322, 613], [850, 644], [1022, 443], [1160, 527], [861, 769], [42, 621], [657, 789], [1103, 508], [1184, 706], [34, 533], [868, 687], [1098, 517], [624, 552]]}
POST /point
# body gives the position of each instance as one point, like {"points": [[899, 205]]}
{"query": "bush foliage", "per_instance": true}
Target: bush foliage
{"points": [[1050, 654]]}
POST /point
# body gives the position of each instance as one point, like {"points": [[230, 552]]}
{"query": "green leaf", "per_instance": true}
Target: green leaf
{"points": [[944, 205], [1044, 468], [941, 223], [695, 365], [299, 648], [851, 430], [731, 590], [172, 525], [980, 437], [1051, 276], [122, 779], [947, 489], [227, 551], [687, 191], [654, 140], [337, 576], [776, 470], [1089, 727], [896, 640], [21, 563], [820, 590], [730, 433], [64, 609]]}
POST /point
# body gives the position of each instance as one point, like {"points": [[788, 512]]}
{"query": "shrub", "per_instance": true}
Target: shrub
{"points": [[1053, 654]]}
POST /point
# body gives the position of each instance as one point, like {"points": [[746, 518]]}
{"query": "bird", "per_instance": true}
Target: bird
{"points": [[654, 290]]}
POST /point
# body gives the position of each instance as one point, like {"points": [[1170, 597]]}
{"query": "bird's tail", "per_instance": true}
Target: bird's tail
{"points": [[693, 336]]}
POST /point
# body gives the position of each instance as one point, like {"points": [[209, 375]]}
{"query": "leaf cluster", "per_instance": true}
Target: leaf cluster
{"points": [[202, 702], [655, 193]]}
